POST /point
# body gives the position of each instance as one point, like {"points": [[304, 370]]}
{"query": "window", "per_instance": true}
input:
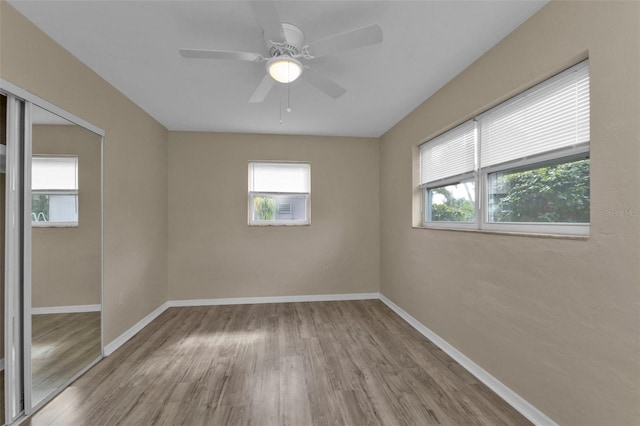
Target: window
{"points": [[54, 191], [521, 166], [279, 193], [448, 169]]}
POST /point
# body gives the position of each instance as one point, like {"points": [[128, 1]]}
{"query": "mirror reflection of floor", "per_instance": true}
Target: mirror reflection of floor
{"points": [[62, 345], [2, 397]]}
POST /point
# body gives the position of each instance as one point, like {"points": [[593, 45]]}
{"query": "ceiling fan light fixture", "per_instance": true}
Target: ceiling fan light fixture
{"points": [[284, 68]]}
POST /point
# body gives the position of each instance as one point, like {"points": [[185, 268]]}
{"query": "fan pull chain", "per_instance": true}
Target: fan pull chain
{"points": [[289, 88]]}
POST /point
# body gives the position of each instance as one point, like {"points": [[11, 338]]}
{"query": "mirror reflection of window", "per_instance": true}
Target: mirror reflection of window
{"points": [[54, 184]]}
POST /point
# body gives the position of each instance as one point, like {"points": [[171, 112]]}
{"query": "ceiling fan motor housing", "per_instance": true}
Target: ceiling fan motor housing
{"points": [[294, 40]]}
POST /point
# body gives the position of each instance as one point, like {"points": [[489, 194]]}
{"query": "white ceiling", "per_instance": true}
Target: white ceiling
{"points": [[134, 46]]}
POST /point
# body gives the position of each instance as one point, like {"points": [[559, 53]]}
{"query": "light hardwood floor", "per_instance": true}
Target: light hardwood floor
{"points": [[339, 363], [62, 345], [2, 397]]}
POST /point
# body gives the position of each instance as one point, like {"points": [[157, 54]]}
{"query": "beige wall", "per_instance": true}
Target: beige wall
{"points": [[135, 159], [65, 263], [212, 251], [556, 320]]}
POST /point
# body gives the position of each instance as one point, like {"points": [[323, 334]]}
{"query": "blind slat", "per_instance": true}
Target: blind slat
{"points": [[552, 115], [450, 154], [279, 177], [54, 173]]}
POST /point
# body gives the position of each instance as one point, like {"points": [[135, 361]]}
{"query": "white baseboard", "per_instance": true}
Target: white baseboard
{"points": [[274, 299], [73, 309], [534, 415], [124, 337]]}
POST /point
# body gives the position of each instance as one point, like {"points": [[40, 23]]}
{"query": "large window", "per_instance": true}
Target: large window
{"points": [[279, 193], [54, 191], [521, 166]]}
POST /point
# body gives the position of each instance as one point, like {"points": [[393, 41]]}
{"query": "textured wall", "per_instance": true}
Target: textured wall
{"points": [[135, 160], [214, 253], [556, 320]]}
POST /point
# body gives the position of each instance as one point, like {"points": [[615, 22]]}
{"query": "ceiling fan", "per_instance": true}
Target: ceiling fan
{"points": [[286, 49]]}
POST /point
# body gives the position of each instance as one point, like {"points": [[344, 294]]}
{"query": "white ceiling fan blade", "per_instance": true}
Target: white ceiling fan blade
{"points": [[269, 19], [220, 54], [347, 41], [322, 83], [262, 90]]}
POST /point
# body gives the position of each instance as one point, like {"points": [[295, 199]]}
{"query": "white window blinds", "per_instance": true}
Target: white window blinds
{"points": [[551, 115], [54, 173], [279, 177], [448, 155]]}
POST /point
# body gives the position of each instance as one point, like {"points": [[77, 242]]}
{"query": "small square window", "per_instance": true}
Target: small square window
{"points": [[279, 193]]}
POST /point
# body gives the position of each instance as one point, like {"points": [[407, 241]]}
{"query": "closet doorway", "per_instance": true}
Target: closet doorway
{"points": [[3, 178], [52, 263]]}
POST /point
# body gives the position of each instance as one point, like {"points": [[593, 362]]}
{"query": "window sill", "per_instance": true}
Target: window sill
{"points": [[515, 234], [54, 225], [277, 225]]}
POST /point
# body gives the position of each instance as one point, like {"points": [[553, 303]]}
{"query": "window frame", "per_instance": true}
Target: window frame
{"points": [[481, 178], [253, 194], [74, 192], [563, 156], [446, 182]]}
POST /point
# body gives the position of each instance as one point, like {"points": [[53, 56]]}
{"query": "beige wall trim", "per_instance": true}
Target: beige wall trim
{"points": [[73, 309], [536, 416], [274, 299]]}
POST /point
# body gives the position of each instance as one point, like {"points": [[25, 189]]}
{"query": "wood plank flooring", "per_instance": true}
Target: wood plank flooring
{"points": [[2, 397], [338, 363], [62, 345]]}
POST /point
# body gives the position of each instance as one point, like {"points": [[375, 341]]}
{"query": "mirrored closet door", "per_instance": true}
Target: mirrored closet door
{"points": [[66, 256], [14, 134], [3, 180], [51, 257]]}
